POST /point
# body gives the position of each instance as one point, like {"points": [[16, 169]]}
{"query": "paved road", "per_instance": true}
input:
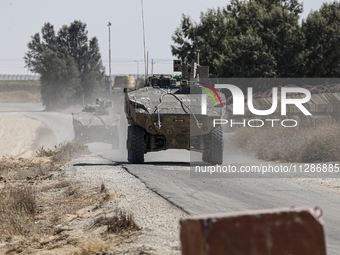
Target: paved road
{"points": [[167, 173], [200, 196]]}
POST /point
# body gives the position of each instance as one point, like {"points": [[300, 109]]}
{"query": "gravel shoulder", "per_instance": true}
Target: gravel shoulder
{"points": [[157, 218], [88, 206]]}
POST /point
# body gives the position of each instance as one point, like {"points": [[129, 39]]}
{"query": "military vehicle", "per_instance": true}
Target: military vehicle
{"points": [[123, 81], [118, 84], [97, 123], [167, 114]]}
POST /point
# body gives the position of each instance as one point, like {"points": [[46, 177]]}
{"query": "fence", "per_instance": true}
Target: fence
{"points": [[19, 77], [36, 77]]}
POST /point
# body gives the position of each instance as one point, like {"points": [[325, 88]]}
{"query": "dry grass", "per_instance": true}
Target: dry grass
{"points": [[65, 151], [58, 185], [291, 145], [43, 211], [42, 152], [57, 215], [92, 247], [40, 211], [103, 187], [48, 218], [17, 209], [25, 169], [121, 221]]}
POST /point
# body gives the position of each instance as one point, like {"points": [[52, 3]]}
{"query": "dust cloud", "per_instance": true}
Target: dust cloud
{"points": [[44, 138], [27, 128], [21, 135], [233, 155]]}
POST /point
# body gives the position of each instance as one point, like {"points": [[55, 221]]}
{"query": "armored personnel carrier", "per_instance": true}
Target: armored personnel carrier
{"points": [[167, 114], [97, 123]]}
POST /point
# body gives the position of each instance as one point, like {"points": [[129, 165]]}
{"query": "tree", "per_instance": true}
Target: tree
{"points": [[255, 38], [321, 55], [206, 37], [59, 79], [68, 63]]}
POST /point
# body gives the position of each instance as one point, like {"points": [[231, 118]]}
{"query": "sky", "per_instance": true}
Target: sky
{"points": [[21, 19]]}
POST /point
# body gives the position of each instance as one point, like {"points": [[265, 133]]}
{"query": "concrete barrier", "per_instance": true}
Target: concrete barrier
{"points": [[294, 231]]}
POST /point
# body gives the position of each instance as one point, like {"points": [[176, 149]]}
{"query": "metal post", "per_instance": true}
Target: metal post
{"points": [[152, 67], [137, 69], [147, 64], [109, 25], [198, 62]]}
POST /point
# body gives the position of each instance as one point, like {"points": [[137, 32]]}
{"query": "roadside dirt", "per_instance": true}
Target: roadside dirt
{"points": [[20, 96], [20, 91], [18, 135], [88, 206]]}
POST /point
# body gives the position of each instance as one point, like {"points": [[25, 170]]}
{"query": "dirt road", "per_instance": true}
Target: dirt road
{"points": [[18, 135], [24, 128]]}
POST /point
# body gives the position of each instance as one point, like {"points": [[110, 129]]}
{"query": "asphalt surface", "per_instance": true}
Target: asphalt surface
{"points": [[168, 174], [201, 196]]}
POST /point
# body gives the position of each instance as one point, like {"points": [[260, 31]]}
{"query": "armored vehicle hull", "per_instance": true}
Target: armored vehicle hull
{"points": [[170, 117]]}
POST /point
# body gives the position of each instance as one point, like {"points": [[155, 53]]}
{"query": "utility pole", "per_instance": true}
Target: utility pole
{"points": [[137, 68], [109, 25], [147, 64], [152, 67], [198, 63]]}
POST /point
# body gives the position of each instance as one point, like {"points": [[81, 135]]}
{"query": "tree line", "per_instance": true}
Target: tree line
{"points": [[69, 63], [263, 38]]}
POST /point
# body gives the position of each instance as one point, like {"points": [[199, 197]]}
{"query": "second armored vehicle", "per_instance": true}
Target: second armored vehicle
{"points": [[96, 123]]}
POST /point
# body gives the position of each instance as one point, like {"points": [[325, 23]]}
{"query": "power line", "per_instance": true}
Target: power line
{"points": [[138, 60]]}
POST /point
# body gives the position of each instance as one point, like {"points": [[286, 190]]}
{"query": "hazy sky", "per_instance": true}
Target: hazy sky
{"points": [[20, 19]]}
